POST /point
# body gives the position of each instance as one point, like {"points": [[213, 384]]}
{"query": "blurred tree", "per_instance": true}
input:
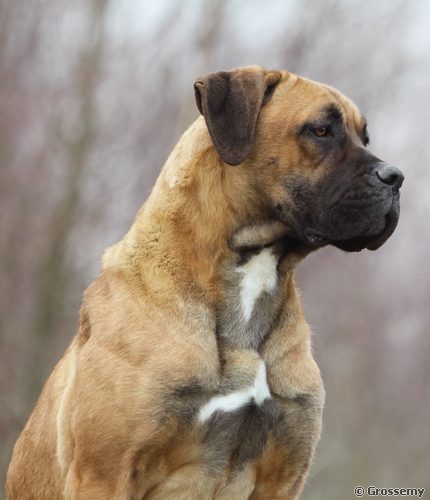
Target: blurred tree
{"points": [[53, 284]]}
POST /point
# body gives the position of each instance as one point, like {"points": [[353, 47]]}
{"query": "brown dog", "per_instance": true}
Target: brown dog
{"points": [[191, 375]]}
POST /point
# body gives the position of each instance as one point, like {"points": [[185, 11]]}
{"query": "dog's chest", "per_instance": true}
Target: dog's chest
{"points": [[232, 423], [241, 414]]}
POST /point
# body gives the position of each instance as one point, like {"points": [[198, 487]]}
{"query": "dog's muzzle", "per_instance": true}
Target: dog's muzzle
{"points": [[364, 215], [379, 232]]}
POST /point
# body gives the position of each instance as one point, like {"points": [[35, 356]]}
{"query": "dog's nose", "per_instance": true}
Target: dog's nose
{"points": [[391, 176]]}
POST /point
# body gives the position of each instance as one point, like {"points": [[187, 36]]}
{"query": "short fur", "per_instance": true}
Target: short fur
{"points": [[173, 323]]}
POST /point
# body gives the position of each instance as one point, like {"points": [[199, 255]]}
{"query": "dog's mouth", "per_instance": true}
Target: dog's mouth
{"points": [[372, 242], [370, 238]]}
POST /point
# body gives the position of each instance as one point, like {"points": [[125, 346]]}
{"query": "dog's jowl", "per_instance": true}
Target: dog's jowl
{"points": [[191, 375]]}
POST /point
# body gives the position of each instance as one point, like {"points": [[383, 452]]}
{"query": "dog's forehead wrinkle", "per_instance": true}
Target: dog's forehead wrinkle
{"points": [[348, 109], [333, 111]]}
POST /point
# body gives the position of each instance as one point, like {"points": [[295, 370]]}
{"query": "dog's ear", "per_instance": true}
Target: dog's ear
{"points": [[230, 103]]}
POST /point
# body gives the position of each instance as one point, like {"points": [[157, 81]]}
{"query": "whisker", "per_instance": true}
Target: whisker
{"points": [[341, 221], [330, 214]]}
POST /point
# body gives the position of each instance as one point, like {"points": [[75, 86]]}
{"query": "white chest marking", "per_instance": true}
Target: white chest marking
{"points": [[258, 392], [259, 275]]}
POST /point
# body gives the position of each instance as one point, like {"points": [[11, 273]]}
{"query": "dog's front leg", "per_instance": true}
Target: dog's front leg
{"points": [[297, 388]]}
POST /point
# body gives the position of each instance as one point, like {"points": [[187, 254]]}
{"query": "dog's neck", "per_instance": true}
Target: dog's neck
{"points": [[199, 243], [256, 281]]}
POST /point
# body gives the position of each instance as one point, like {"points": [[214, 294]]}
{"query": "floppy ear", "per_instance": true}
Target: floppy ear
{"points": [[230, 103]]}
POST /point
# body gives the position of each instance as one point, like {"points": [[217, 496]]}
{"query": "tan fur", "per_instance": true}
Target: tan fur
{"points": [[101, 428]]}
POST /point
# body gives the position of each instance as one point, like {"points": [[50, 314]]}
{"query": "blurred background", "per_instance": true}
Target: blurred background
{"points": [[94, 94]]}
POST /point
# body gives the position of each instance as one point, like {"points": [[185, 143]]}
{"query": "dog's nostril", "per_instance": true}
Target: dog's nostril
{"points": [[391, 176]]}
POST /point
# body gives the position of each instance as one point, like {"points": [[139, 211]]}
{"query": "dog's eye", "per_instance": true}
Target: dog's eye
{"points": [[321, 131]]}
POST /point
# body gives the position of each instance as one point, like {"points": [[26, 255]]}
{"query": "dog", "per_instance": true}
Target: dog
{"points": [[191, 375]]}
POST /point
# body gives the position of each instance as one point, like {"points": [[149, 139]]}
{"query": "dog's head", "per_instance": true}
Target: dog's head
{"points": [[303, 146]]}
